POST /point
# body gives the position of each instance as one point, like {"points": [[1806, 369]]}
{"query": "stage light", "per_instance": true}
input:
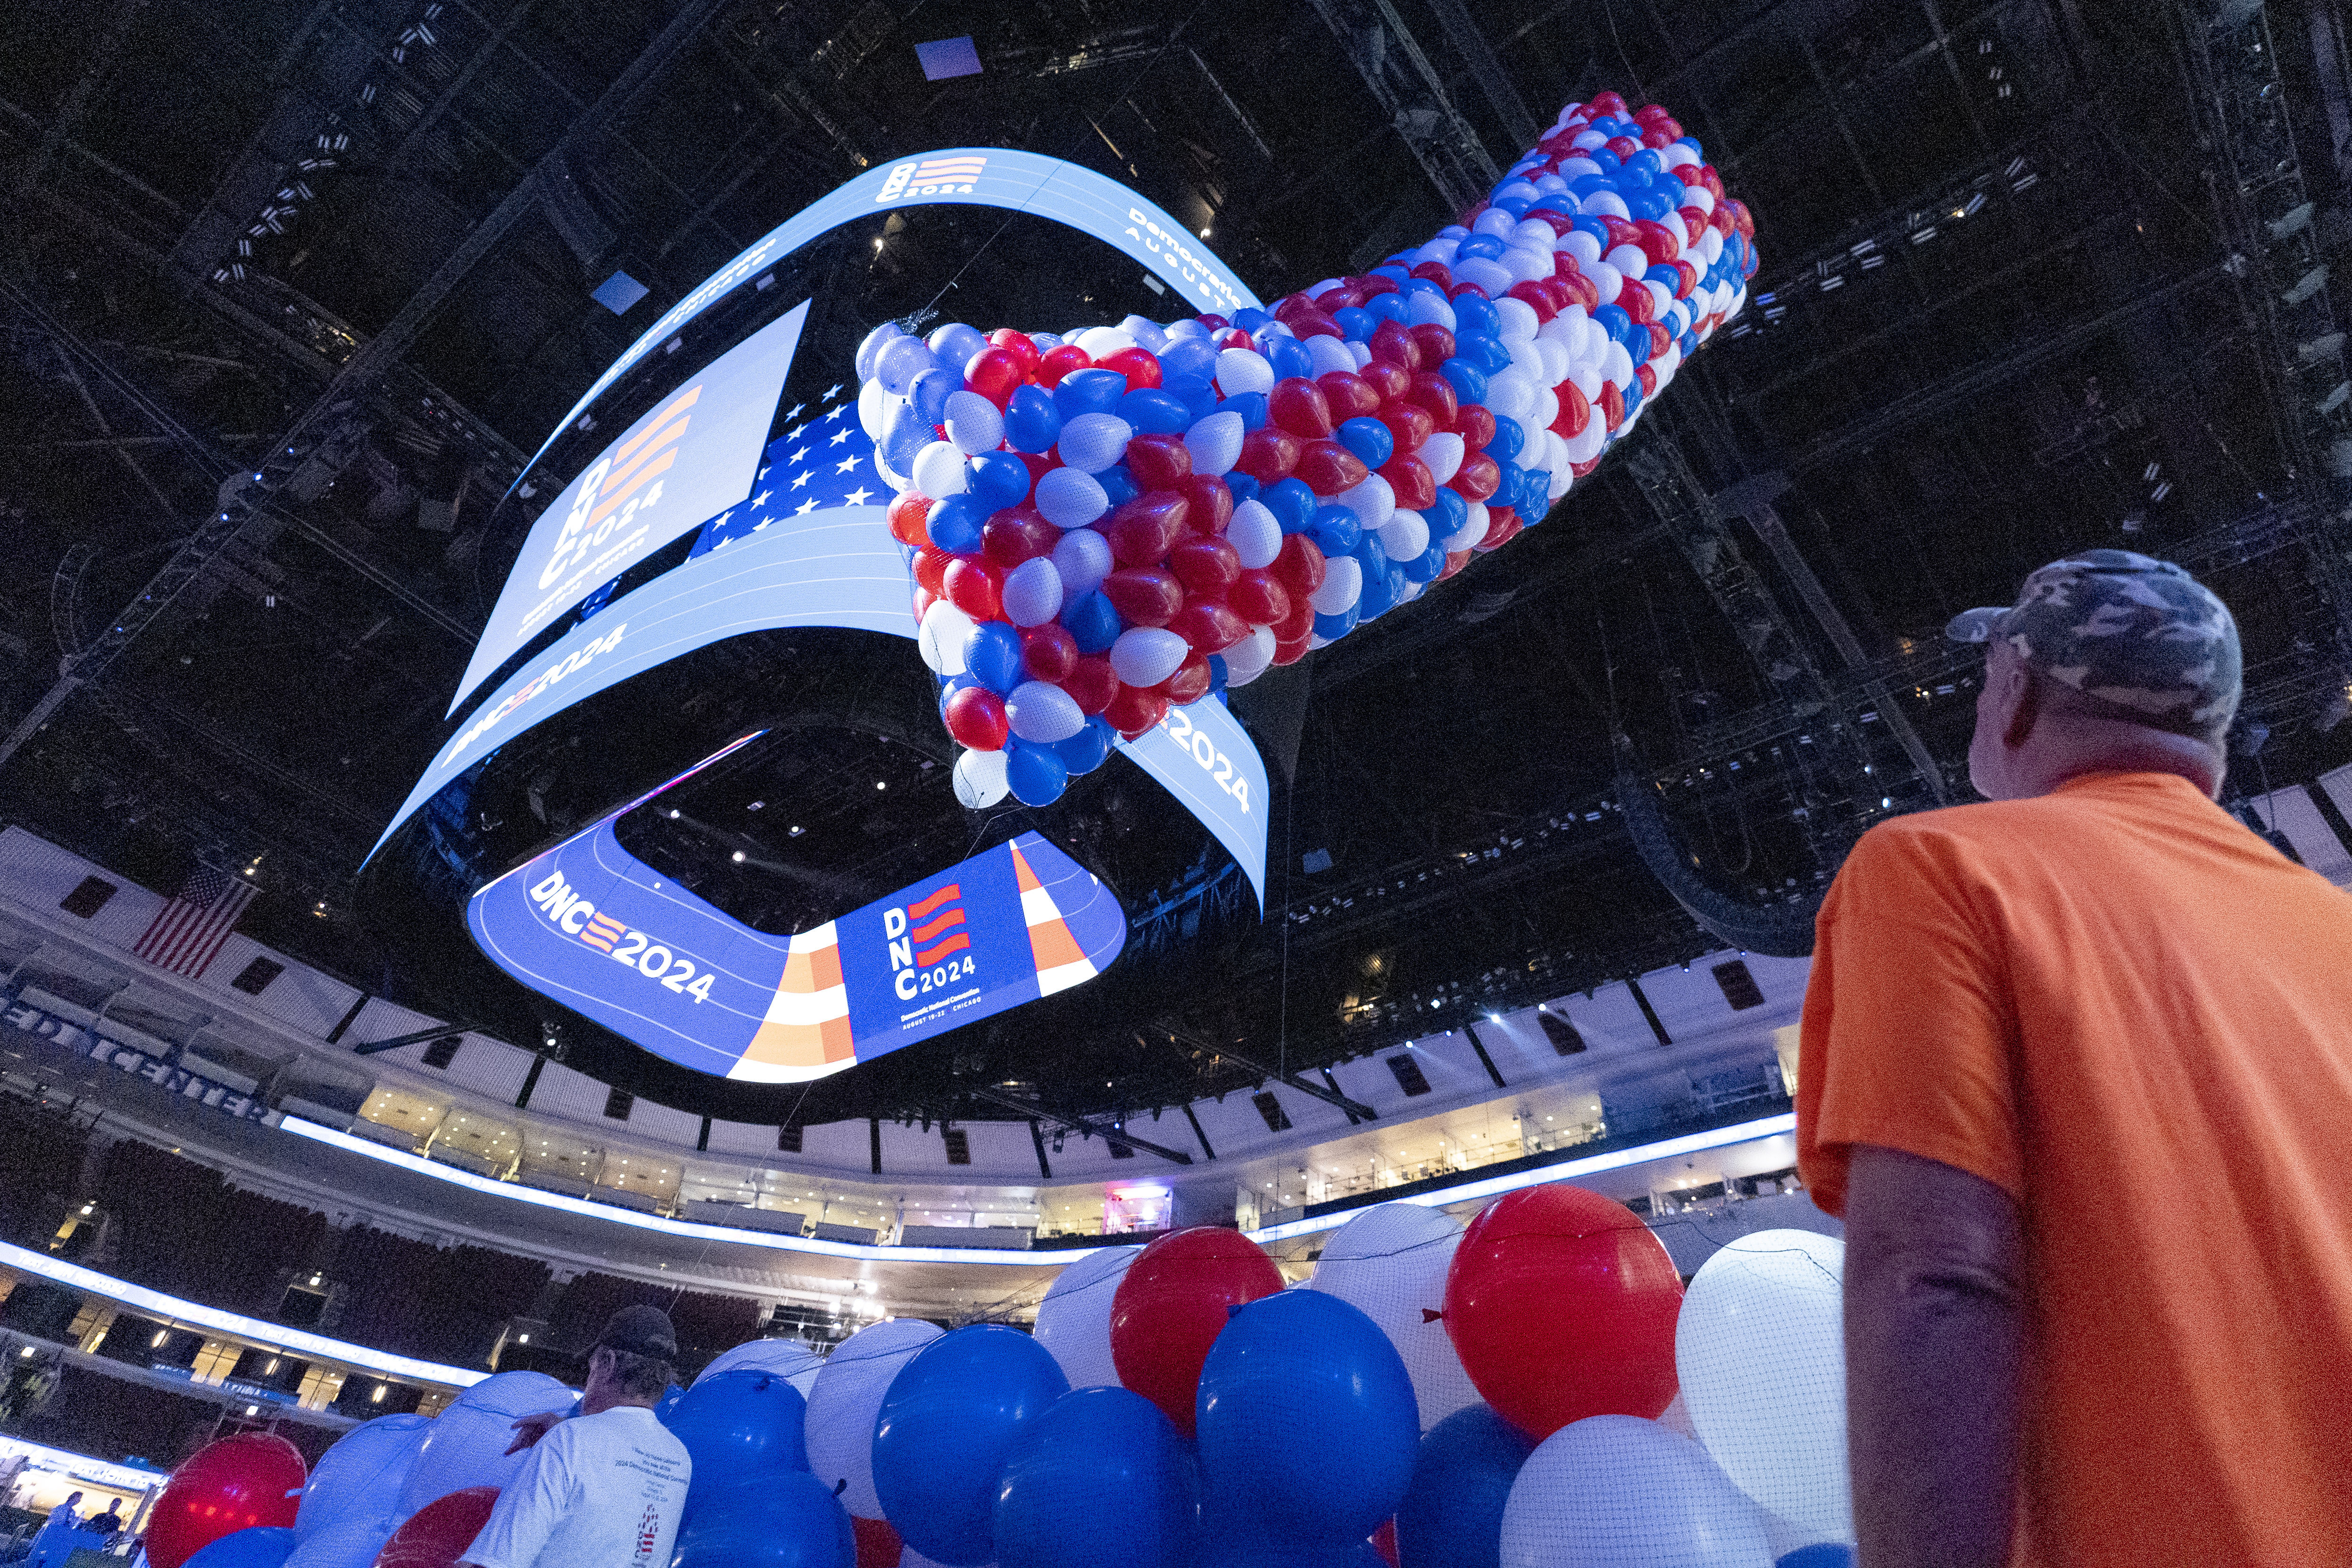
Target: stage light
{"points": [[795, 831], [737, 857]]}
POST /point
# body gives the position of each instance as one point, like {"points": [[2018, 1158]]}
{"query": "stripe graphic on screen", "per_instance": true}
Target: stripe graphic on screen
{"points": [[592, 926]]}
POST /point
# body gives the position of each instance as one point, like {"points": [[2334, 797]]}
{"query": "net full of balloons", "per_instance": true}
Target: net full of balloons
{"points": [[1110, 522], [941, 1440], [253, 1480], [1562, 1305], [1173, 1303]]}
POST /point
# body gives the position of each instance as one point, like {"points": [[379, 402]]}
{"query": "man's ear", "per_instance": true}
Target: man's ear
{"points": [[2027, 708]]}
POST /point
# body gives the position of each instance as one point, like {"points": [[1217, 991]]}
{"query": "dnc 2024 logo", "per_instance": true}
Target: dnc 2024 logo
{"points": [[923, 938], [933, 177]]}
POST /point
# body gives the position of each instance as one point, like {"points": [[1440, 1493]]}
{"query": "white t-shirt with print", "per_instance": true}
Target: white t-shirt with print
{"points": [[598, 1491]]}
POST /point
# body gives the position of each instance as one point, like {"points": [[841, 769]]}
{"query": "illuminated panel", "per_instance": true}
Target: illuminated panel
{"points": [[693, 455], [971, 176], [593, 927]]}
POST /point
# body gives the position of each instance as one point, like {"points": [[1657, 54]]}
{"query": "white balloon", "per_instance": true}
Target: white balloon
{"points": [[1251, 657], [1527, 263], [1587, 379], [980, 783], [1773, 1300], [1443, 453], [1406, 536], [1488, 273], [1587, 442], [1242, 370], [1585, 247], [974, 423], [1255, 535], [1614, 1490], [1032, 592], [1082, 559], [873, 404], [1070, 500], [1553, 353], [1496, 222], [1147, 655], [955, 342], [939, 470], [1472, 530], [1527, 357], [1328, 354], [1100, 342], [1073, 1320], [361, 1477], [1216, 441], [468, 1443], [1424, 309], [1389, 1262], [1617, 367], [843, 1407], [1360, 352], [1043, 713], [1606, 279], [869, 349], [1605, 204], [789, 1359], [1147, 333], [1535, 231], [1343, 581], [941, 637], [1510, 392], [1629, 259], [901, 362], [1093, 442], [1371, 498]]}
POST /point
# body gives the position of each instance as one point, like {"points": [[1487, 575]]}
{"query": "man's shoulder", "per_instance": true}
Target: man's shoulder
{"points": [[1983, 829]]}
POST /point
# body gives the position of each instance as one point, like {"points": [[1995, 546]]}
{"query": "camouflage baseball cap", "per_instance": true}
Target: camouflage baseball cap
{"points": [[2127, 629]]}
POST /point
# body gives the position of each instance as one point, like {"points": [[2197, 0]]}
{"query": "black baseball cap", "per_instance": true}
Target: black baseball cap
{"points": [[640, 1331]]}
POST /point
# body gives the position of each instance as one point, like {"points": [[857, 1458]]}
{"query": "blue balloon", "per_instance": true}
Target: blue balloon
{"points": [[1336, 531], [1118, 485], [1331, 628], [260, 1546], [1487, 353], [1468, 381], [667, 1403], [1249, 318], [1292, 503], [1451, 510], [930, 393], [1452, 1515], [742, 1426], [1089, 391], [999, 479], [1585, 185], [1374, 601], [1613, 319], [1387, 306], [1217, 674], [1652, 204], [1251, 406], [1424, 567], [1593, 225], [1092, 1446], [1036, 772], [1537, 496], [1091, 621], [1367, 439], [1199, 398], [1244, 487], [1355, 322], [1305, 1419], [1515, 206], [1086, 750], [1289, 357], [1508, 441], [1187, 356], [955, 523], [946, 1425], [1607, 160], [904, 433], [1032, 423], [1485, 245], [1820, 1554], [1154, 413], [1231, 1552], [992, 652], [1510, 479], [784, 1520], [1477, 316]]}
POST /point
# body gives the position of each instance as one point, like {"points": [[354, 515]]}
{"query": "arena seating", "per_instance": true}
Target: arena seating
{"points": [[183, 1228], [45, 1155], [441, 1303]]}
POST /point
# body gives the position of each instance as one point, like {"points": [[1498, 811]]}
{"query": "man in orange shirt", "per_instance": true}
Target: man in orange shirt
{"points": [[2077, 1071]]}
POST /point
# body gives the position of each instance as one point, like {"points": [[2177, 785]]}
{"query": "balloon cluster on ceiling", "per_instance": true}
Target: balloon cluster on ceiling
{"points": [[1107, 522], [1536, 1391]]}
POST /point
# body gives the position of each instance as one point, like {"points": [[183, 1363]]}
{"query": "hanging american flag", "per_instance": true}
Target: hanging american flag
{"points": [[189, 931], [825, 462]]}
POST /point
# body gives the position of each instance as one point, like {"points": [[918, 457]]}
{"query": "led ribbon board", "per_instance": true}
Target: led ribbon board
{"points": [[969, 176], [839, 567], [697, 452], [592, 926]]}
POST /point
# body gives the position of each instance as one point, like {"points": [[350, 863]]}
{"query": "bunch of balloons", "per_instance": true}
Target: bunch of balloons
{"points": [[1109, 522]]}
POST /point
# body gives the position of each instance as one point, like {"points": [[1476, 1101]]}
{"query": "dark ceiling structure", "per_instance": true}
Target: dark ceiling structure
{"points": [[288, 292]]}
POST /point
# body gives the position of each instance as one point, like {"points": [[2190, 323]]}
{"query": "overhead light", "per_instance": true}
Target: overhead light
{"points": [[881, 784], [795, 831], [737, 857]]}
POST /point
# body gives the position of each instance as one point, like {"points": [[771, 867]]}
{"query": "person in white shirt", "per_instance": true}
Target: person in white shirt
{"points": [[66, 1513], [602, 1488]]}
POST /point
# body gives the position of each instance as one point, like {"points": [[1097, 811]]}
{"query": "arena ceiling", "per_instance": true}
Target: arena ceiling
{"points": [[2038, 274]]}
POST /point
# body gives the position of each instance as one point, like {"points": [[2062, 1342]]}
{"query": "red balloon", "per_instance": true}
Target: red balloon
{"points": [[1503, 524], [1634, 299], [1016, 343], [1536, 296], [1048, 653], [1191, 682], [1384, 1542], [1158, 462], [1478, 478], [906, 515], [1436, 343], [1055, 363], [1328, 468], [1141, 531], [1211, 502], [995, 374], [1092, 684], [1574, 414], [1016, 534], [1474, 424], [1436, 271], [976, 719], [1387, 378], [1144, 595], [1171, 1302], [1434, 394], [878, 1545], [1657, 241], [1392, 345], [1612, 405], [1268, 454], [1299, 624], [253, 1479], [1134, 711], [1409, 477], [436, 1533], [1309, 322], [1298, 406], [1561, 1304], [975, 588], [1204, 564], [1648, 376], [1209, 627], [1138, 365], [1350, 395], [1258, 599], [924, 600], [1410, 424], [1290, 652], [931, 569], [1456, 560], [1299, 567]]}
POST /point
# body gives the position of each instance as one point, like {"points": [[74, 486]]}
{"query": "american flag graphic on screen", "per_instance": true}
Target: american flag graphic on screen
{"points": [[189, 931], [813, 469]]}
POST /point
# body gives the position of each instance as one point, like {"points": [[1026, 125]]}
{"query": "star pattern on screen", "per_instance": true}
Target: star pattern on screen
{"points": [[801, 478]]}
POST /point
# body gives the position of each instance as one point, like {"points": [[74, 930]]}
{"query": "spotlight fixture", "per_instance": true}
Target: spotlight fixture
{"points": [[795, 832], [737, 857]]}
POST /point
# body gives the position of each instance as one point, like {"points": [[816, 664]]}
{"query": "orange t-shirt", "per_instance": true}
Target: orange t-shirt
{"points": [[2135, 1017]]}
